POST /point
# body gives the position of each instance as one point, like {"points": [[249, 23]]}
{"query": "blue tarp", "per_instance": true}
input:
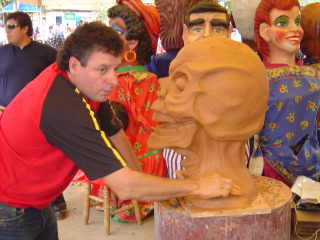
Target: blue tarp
{"points": [[23, 7]]}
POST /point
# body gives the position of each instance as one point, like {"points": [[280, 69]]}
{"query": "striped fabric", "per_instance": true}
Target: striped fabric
{"points": [[173, 159]]}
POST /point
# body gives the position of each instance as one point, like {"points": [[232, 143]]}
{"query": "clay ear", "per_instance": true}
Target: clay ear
{"points": [[264, 31]]}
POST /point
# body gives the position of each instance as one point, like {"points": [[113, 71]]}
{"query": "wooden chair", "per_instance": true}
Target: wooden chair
{"points": [[108, 209]]}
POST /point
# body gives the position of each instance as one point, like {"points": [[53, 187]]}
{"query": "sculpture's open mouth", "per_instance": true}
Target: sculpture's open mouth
{"points": [[173, 134]]}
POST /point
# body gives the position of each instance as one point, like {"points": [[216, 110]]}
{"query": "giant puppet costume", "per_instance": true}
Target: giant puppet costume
{"points": [[139, 27], [206, 106], [289, 137]]}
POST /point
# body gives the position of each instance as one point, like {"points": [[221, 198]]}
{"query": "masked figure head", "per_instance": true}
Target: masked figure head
{"points": [[205, 19], [311, 25], [207, 104], [278, 30], [138, 26]]}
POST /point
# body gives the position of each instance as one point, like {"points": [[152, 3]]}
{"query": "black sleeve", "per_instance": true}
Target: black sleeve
{"points": [[109, 121], [70, 125]]}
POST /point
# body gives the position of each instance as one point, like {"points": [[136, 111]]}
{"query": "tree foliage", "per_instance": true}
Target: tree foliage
{"points": [[4, 2]]}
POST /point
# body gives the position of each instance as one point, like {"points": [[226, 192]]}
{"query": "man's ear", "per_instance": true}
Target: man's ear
{"points": [[25, 29], [74, 65], [264, 31], [132, 44]]}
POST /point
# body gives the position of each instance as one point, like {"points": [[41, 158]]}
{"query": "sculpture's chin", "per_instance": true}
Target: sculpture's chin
{"points": [[171, 135]]}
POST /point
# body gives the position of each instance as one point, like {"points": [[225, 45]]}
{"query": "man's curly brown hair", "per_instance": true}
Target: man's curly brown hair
{"points": [[86, 39], [135, 31]]}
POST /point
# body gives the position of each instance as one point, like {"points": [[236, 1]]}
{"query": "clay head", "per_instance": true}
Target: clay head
{"points": [[277, 23], [311, 25], [216, 84]]}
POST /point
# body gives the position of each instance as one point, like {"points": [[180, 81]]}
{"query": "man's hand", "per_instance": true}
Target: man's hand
{"points": [[1, 109], [214, 186]]}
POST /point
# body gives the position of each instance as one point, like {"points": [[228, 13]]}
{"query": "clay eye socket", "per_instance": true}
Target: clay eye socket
{"points": [[181, 83]]}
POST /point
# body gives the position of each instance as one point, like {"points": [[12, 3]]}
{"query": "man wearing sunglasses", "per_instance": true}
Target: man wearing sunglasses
{"points": [[21, 60]]}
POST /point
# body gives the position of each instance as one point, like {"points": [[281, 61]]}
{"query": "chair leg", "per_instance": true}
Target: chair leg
{"points": [[106, 209], [86, 210], [137, 211], [114, 200]]}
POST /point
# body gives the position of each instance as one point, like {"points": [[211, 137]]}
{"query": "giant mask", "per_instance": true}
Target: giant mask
{"points": [[214, 99]]}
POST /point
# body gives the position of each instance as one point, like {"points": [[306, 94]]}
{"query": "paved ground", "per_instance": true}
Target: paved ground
{"points": [[72, 228]]}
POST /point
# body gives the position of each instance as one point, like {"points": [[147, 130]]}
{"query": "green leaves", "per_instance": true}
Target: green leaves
{"points": [[3, 3]]}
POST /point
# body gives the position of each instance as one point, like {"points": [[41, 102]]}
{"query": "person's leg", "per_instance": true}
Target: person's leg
{"points": [[26, 224], [50, 228]]}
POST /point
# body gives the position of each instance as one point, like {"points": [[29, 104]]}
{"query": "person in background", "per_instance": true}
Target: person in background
{"points": [[64, 125], [21, 60]]}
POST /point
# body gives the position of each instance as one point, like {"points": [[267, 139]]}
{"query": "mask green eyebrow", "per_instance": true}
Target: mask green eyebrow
{"points": [[298, 21], [281, 21]]}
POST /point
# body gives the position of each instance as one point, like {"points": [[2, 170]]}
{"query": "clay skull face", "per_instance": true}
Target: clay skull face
{"points": [[212, 84]]}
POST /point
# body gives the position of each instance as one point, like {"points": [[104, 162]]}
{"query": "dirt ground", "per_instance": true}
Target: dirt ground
{"points": [[72, 227]]}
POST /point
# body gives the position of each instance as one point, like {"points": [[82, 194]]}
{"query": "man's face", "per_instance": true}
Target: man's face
{"points": [[97, 79], [206, 24], [15, 34]]}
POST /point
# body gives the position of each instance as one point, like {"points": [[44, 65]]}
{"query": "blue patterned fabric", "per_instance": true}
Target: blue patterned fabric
{"points": [[289, 137]]}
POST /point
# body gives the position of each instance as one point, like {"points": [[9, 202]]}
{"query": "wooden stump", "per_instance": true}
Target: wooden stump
{"points": [[268, 217]]}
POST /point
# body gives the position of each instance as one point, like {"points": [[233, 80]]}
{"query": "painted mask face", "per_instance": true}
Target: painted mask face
{"points": [[203, 25], [285, 32]]}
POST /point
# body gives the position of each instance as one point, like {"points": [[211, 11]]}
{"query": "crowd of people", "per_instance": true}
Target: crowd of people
{"points": [[80, 106]]}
